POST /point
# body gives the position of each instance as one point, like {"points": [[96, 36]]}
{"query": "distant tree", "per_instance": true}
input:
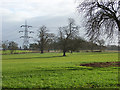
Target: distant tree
{"points": [[25, 47], [44, 38], [4, 45], [101, 44], [102, 17], [112, 47], [12, 46], [0, 45], [50, 41], [34, 46], [56, 44], [75, 44], [20, 48], [66, 33], [84, 45]]}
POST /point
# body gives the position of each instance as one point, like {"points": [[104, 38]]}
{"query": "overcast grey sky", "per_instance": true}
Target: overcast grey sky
{"points": [[52, 13]]}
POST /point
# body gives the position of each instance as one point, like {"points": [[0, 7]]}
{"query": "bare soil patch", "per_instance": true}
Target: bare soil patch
{"points": [[102, 64]]}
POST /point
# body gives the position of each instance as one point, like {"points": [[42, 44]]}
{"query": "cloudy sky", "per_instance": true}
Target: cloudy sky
{"points": [[52, 13]]}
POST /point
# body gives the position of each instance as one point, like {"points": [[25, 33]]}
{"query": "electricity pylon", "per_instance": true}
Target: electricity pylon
{"points": [[26, 37]]}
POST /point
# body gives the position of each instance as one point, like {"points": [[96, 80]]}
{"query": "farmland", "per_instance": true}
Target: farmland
{"points": [[52, 70]]}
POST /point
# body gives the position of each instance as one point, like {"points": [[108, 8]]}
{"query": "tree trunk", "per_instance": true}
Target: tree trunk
{"points": [[11, 51], [41, 48], [64, 53], [41, 51], [48, 50]]}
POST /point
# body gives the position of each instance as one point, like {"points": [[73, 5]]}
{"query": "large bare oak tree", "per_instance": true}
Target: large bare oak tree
{"points": [[103, 17]]}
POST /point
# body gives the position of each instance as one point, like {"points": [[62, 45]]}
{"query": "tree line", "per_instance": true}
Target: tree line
{"points": [[67, 40]]}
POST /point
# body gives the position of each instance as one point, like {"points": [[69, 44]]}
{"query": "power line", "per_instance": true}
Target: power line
{"points": [[26, 36]]}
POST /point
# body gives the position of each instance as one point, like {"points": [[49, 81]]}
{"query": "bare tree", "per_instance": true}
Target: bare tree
{"points": [[75, 44], [43, 37], [66, 33], [5, 45], [12, 46], [33, 46], [101, 44], [103, 17], [50, 41]]}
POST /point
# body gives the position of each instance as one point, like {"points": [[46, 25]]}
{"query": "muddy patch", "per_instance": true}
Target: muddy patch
{"points": [[102, 64]]}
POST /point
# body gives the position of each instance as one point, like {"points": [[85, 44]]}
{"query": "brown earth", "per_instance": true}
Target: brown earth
{"points": [[102, 64]]}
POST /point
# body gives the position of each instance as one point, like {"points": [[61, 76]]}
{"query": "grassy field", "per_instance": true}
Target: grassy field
{"points": [[51, 70], [16, 51]]}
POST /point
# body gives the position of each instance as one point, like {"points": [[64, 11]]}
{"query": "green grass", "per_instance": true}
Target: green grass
{"points": [[51, 70], [16, 51]]}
